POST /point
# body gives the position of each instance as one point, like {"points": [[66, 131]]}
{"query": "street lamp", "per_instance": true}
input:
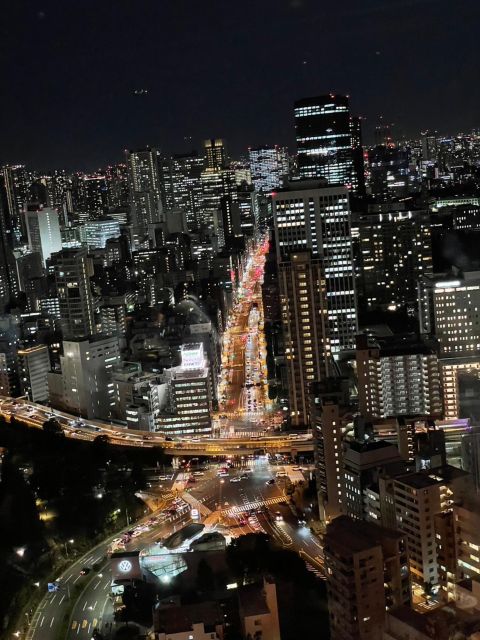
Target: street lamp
{"points": [[71, 541], [20, 551]]}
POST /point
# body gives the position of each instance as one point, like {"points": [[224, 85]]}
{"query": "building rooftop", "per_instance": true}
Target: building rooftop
{"points": [[252, 600], [399, 344], [442, 623], [432, 477], [176, 619], [357, 535]]}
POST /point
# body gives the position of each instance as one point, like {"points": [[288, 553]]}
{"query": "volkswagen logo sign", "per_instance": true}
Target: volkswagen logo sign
{"points": [[125, 566]]}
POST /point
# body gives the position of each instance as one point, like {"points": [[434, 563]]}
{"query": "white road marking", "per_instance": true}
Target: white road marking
{"points": [[62, 599], [51, 623], [84, 605], [41, 622], [77, 578]]}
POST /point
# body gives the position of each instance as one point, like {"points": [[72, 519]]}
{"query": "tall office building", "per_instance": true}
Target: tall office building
{"points": [[9, 285], [218, 182], [14, 183], [190, 395], [367, 575], [91, 196], [43, 231], [84, 386], [304, 320], [329, 141], [96, 233], [392, 250], [268, 166], [183, 188], [215, 154], [398, 375], [34, 365], [309, 216], [73, 270], [145, 189], [449, 308]]}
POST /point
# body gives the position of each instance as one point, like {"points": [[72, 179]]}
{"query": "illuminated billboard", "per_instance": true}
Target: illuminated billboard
{"points": [[192, 356]]}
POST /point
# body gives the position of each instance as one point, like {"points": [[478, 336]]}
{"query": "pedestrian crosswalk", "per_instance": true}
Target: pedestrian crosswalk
{"points": [[316, 571], [248, 506]]}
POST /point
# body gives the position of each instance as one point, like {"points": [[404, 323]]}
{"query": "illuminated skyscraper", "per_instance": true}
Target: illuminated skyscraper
{"points": [[311, 216], [73, 270], [14, 180], [329, 141], [304, 319], [183, 187], [145, 190], [43, 231], [9, 285], [215, 154], [268, 166]]}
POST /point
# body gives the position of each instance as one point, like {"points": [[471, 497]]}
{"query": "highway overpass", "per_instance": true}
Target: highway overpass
{"points": [[34, 415]]}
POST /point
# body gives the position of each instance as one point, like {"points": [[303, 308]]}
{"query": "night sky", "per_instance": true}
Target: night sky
{"points": [[219, 68]]}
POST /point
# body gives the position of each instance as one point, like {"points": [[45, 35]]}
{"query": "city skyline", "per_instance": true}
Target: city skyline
{"points": [[97, 89]]}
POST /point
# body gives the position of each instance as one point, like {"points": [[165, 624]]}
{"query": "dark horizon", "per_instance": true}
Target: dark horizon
{"points": [[231, 72]]}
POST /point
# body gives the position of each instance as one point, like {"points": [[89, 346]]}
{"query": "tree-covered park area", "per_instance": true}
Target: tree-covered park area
{"points": [[59, 497]]}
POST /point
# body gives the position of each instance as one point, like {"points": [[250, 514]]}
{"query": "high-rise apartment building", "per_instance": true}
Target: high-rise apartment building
{"points": [[304, 320], [367, 575], [9, 343], [418, 497], [84, 386], [329, 414], [311, 216], [145, 189], [73, 270], [329, 141], [269, 167], [43, 231], [363, 463], [398, 375]]}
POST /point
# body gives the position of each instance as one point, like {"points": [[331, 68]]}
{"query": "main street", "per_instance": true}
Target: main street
{"points": [[243, 397]]}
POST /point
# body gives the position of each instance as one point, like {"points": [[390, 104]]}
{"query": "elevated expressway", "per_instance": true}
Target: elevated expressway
{"points": [[35, 415]]}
